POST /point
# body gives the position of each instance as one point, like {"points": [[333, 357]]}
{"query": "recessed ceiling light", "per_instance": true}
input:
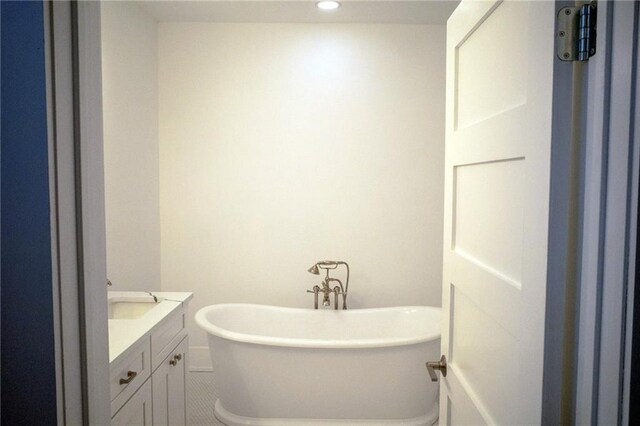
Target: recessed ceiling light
{"points": [[328, 5]]}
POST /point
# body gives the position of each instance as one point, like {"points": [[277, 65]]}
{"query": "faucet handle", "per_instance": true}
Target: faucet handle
{"points": [[315, 292]]}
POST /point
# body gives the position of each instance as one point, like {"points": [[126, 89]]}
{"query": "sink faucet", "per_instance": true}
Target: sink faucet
{"points": [[326, 289]]}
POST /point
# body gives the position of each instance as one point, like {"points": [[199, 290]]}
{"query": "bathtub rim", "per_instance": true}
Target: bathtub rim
{"points": [[203, 323]]}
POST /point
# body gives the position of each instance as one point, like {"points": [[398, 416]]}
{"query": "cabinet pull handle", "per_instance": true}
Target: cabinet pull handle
{"points": [[130, 376], [179, 357]]}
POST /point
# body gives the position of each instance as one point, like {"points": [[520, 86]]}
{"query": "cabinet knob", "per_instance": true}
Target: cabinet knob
{"points": [[175, 359]]}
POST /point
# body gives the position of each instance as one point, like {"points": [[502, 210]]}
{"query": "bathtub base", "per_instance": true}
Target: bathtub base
{"points": [[231, 419]]}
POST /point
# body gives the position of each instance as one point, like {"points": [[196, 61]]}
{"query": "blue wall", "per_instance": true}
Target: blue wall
{"points": [[28, 359]]}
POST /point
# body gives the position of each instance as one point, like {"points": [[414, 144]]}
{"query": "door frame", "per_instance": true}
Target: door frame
{"points": [[611, 157], [73, 59], [76, 179]]}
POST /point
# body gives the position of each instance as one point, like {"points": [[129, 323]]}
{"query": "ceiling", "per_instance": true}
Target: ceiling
{"points": [[301, 11]]}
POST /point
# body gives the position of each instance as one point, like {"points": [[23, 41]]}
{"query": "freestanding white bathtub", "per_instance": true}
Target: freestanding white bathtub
{"points": [[275, 365]]}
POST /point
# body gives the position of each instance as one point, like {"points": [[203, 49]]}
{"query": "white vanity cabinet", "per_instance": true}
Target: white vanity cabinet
{"points": [[148, 376]]}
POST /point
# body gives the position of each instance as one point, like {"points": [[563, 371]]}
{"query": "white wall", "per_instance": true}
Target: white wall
{"points": [[130, 101], [285, 144]]}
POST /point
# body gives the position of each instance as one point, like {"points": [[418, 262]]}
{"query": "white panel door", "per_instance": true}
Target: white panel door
{"points": [[500, 59]]}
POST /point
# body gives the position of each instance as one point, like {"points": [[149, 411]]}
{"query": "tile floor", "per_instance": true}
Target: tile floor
{"points": [[201, 395]]}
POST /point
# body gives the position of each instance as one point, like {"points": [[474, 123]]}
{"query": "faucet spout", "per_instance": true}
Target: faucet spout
{"points": [[326, 290]]}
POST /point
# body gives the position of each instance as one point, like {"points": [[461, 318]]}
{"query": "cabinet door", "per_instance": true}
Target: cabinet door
{"points": [[169, 400], [136, 411]]}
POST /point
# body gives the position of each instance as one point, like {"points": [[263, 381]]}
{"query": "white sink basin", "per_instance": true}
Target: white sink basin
{"points": [[131, 307]]}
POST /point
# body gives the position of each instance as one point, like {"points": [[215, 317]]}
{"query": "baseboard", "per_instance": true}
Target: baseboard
{"points": [[199, 358]]}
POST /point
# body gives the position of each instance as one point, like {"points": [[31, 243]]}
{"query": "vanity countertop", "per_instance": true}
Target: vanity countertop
{"points": [[125, 333]]}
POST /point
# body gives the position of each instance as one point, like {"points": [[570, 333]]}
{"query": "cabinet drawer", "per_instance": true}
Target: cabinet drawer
{"points": [[167, 336], [129, 374]]}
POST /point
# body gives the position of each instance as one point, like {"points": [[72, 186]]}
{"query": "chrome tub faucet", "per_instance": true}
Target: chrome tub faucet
{"points": [[326, 289]]}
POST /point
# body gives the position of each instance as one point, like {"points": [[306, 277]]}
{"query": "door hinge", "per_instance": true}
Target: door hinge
{"points": [[576, 32]]}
